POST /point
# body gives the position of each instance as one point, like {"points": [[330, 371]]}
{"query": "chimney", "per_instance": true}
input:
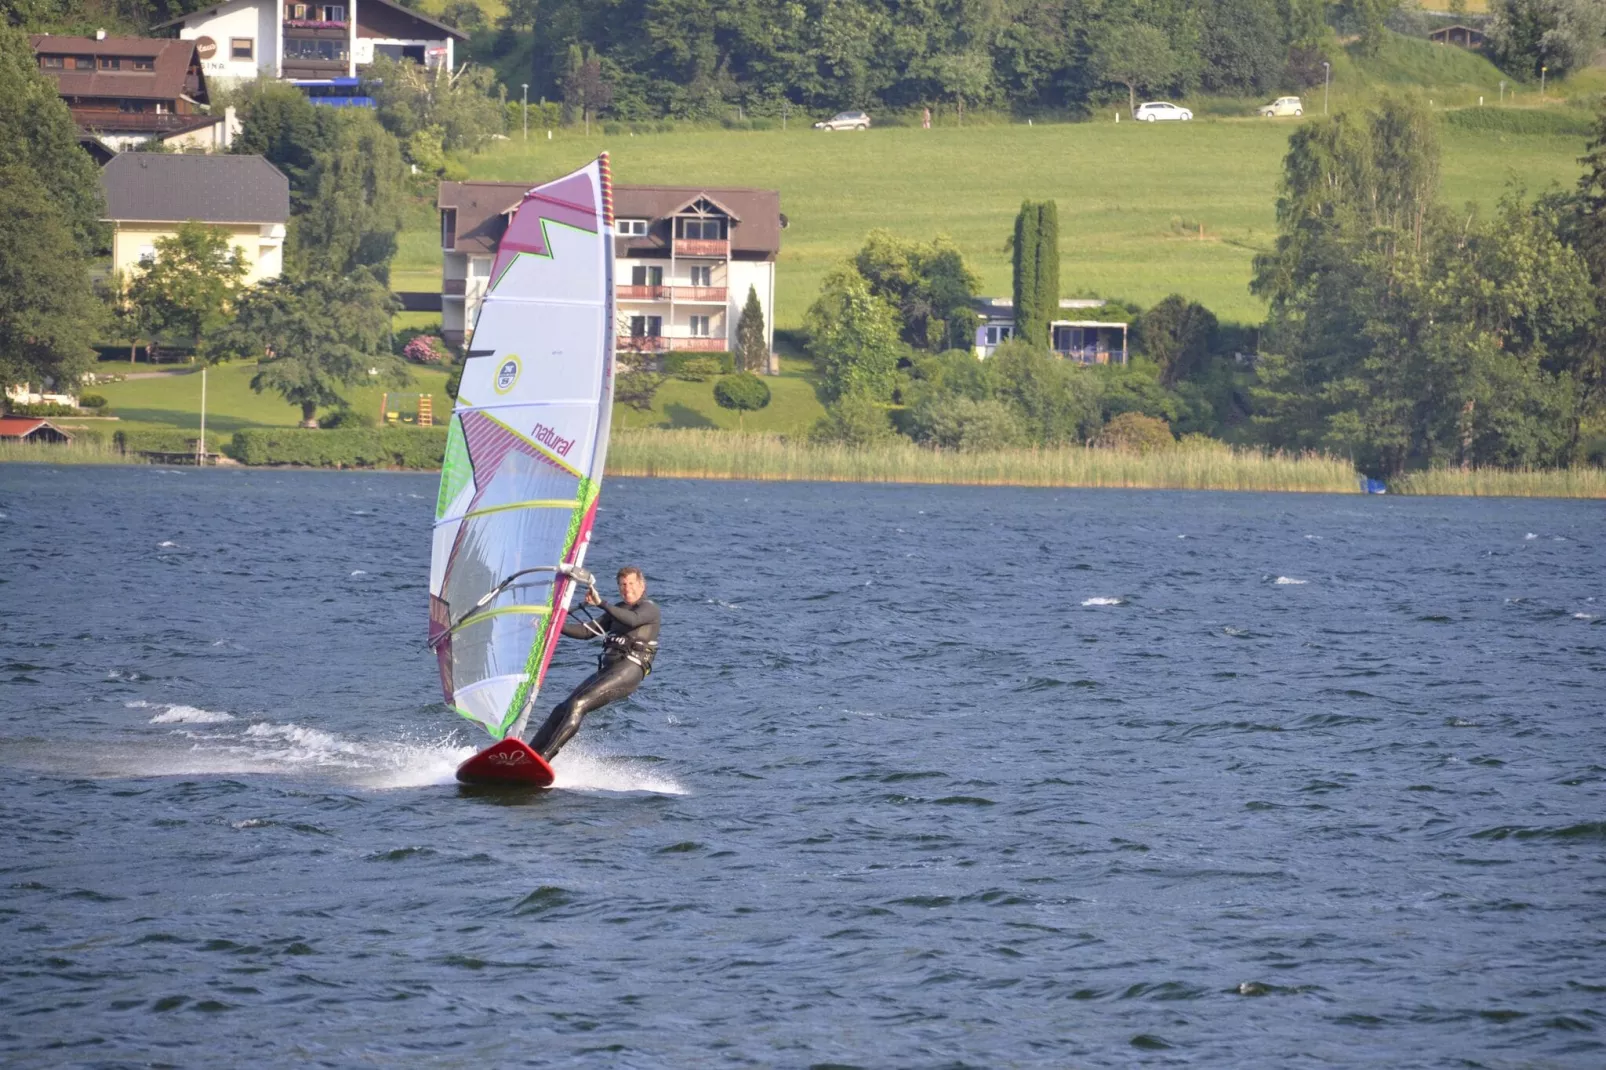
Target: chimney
{"points": [[100, 35]]}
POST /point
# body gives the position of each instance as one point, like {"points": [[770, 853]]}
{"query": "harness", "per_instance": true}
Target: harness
{"points": [[616, 646]]}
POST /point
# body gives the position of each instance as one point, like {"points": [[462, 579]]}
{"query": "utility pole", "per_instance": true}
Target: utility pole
{"points": [[1327, 77], [524, 93]]}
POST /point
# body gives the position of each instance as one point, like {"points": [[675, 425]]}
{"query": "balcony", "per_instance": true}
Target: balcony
{"points": [[641, 343], [316, 24], [657, 343], [712, 295], [137, 122], [642, 293], [719, 247], [698, 345], [454, 287]]}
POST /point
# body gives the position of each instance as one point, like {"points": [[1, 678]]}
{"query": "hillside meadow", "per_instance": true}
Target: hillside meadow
{"points": [[1145, 209]]}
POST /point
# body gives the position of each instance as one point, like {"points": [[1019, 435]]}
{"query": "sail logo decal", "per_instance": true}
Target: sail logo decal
{"points": [[556, 442], [507, 375]]}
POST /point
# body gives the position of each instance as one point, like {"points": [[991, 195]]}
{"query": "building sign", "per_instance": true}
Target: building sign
{"points": [[205, 47]]}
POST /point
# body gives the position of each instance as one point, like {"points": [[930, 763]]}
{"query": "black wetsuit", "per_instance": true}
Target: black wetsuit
{"points": [[630, 642]]}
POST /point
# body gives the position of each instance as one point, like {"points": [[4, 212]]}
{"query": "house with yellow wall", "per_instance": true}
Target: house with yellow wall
{"points": [[149, 195]]}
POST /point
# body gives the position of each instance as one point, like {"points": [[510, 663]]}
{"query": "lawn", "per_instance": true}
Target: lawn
{"points": [[1132, 197], [231, 404], [794, 405]]}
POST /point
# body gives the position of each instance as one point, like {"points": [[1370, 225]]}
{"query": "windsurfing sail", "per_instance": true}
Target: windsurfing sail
{"points": [[524, 452]]}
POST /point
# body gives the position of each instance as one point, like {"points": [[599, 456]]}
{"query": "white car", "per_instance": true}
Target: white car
{"points": [[1155, 110], [1283, 106], [845, 120]]}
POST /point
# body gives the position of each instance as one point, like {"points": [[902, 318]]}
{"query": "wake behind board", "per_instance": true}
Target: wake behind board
{"points": [[507, 763]]}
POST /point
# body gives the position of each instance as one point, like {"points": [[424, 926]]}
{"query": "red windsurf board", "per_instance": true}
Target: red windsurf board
{"points": [[509, 762]]}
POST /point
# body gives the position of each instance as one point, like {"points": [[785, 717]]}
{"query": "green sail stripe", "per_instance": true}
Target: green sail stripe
{"points": [[533, 503], [456, 468], [503, 611], [532, 665]]}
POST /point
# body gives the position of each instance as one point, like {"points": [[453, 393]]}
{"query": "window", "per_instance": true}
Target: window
{"points": [[702, 229], [242, 48], [328, 51], [110, 63], [646, 326], [646, 276], [143, 63], [699, 326], [702, 276], [334, 13], [996, 335], [448, 228], [83, 63], [53, 63], [479, 267], [147, 253], [631, 228], [298, 11]]}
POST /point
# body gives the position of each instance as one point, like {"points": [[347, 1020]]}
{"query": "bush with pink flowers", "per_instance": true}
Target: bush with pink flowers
{"points": [[426, 349]]}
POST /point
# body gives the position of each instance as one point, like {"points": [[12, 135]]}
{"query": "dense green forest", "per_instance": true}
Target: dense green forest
{"points": [[641, 59]]}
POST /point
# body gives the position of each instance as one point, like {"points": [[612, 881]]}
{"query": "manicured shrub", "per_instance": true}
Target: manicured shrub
{"points": [[1136, 433], [48, 408], [91, 401], [356, 447], [698, 367], [167, 440], [744, 392]]}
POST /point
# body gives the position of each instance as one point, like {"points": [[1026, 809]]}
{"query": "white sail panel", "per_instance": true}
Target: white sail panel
{"points": [[525, 451]]}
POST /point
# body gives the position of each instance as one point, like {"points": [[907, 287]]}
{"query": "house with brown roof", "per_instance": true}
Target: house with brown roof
{"points": [[312, 42], [149, 195], [124, 90], [1469, 37], [685, 258], [31, 429]]}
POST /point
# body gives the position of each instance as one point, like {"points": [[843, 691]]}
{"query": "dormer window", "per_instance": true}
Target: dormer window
{"points": [[143, 63], [631, 228], [703, 229], [110, 63], [53, 63]]}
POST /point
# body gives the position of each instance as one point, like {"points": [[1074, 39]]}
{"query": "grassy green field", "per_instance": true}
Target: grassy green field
{"points": [[231, 404], [1132, 197]]}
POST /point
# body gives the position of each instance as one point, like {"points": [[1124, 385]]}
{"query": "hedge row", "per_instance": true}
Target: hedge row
{"points": [[43, 409], [166, 440], [675, 362], [1522, 121], [356, 447]]}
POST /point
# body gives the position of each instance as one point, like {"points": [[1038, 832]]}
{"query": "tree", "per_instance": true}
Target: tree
{"points": [[853, 337], [584, 85], [313, 336], [1056, 402], [927, 283], [853, 420], [183, 294], [47, 310], [51, 226], [465, 15], [456, 110], [752, 347], [956, 422], [1136, 433], [743, 392], [1177, 334], [1134, 54], [1243, 49], [963, 76], [355, 212], [1524, 36], [1037, 271], [279, 122]]}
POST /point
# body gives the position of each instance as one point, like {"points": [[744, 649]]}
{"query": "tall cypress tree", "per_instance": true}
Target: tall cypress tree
{"points": [[1048, 268], [1028, 313], [752, 354]]}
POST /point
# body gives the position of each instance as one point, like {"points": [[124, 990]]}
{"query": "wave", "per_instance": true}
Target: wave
{"points": [[1104, 602], [1289, 581], [579, 768], [189, 715]]}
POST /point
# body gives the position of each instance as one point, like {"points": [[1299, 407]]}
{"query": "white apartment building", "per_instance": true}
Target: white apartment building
{"points": [[315, 42], [685, 260]]}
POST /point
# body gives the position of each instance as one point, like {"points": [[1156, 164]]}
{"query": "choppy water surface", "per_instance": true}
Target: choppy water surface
{"points": [[926, 777]]}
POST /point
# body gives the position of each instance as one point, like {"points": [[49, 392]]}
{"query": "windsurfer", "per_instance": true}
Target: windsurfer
{"points": [[629, 634]]}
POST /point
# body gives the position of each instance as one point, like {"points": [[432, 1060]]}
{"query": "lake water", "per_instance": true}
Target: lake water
{"points": [[926, 777]]}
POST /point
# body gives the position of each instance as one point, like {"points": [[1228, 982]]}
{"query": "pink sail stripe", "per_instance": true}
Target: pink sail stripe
{"points": [[570, 201]]}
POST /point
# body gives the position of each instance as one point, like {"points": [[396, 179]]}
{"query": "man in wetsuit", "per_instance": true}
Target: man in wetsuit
{"points": [[629, 634]]}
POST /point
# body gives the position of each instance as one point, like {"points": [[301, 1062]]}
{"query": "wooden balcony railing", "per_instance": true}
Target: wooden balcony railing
{"points": [[719, 247], [707, 294], [642, 293], [699, 345], [640, 343]]}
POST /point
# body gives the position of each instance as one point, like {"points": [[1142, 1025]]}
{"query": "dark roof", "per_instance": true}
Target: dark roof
{"points": [[166, 82], [412, 14], [172, 188], [755, 213]]}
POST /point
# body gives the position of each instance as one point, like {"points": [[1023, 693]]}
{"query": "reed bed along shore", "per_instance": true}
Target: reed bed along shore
{"points": [[723, 455], [1578, 482], [73, 453]]}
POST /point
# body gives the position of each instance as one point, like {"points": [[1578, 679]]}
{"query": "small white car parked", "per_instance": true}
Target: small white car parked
{"points": [[846, 120], [1282, 106], [1155, 110]]}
